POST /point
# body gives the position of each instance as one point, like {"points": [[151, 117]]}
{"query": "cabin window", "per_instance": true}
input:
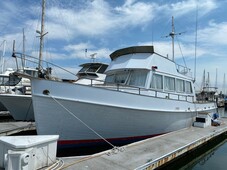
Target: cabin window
{"points": [[157, 82], [110, 78], [10, 80], [84, 69], [188, 87], [102, 69], [138, 78], [169, 83], [119, 77], [33, 73], [179, 85], [4, 80], [93, 68]]}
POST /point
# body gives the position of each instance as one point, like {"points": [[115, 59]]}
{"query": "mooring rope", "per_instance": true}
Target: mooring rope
{"points": [[82, 122]]}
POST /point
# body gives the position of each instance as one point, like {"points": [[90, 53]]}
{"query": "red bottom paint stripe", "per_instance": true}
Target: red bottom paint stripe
{"points": [[97, 141]]}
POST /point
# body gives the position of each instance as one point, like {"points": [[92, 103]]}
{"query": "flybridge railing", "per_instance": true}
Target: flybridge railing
{"points": [[184, 70]]}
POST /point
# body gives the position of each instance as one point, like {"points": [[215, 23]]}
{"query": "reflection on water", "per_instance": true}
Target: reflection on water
{"points": [[222, 112], [215, 158], [212, 156]]}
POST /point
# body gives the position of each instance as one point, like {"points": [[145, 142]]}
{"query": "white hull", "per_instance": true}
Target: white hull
{"points": [[113, 114], [19, 106]]}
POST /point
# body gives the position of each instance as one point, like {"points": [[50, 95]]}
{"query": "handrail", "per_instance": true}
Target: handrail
{"points": [[183, 70], [36, 61], [142, 91]]}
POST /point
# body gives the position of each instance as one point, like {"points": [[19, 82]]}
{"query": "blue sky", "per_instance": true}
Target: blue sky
{"points": [[103, 26]]}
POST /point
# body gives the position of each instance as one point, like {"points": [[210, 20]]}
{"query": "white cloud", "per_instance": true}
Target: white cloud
{"points": [[78, 51], [214, 34], [76, 47], [99, 18], [92, 20], [135, 13], [185, 7]]}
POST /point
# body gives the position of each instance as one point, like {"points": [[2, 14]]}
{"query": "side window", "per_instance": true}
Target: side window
{"points": [[110, 78], [188, 87], [169, 83], [157, 82], [121, 77], [138, 78], [180, 85]]}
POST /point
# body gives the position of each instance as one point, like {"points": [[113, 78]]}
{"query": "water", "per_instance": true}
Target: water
{"points": [[212, 156], [215, 158]]}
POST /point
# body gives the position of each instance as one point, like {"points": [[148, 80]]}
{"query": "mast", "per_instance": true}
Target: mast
{"points": [[23, 59], [203, 80], [2, 56], [172, 34], [41, 34], [223, 88], [208, 81]]}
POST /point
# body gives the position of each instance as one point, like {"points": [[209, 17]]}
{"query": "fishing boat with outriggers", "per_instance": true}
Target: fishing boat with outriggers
{"points": [[144, 94]]}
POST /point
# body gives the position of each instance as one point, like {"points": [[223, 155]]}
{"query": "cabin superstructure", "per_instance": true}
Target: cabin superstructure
{"points": [[141, 67]]}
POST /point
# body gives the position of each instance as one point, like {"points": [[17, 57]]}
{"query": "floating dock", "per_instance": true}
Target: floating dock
{"points": [[147, 154]]}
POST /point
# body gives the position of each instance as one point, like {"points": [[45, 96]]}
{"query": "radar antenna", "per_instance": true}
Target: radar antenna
{"points": [[93, 56]]}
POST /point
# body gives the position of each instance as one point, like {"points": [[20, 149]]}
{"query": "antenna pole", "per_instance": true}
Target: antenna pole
{"points": [[14, 54], [85, 53], [216, 79], [223, 88], [196, 28]]}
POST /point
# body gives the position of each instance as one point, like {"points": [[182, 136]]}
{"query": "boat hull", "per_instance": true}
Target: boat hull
{"points": [[19, 106], [2, 107], [86, 111]]}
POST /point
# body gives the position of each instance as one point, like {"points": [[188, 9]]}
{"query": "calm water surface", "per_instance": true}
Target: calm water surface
{"points": [[213, 156]]}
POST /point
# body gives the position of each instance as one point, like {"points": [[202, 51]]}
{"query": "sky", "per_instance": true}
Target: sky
{"points": [[103, 26]]}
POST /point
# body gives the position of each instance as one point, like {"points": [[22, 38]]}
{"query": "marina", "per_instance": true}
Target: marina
{"points": [[137, 107]]}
